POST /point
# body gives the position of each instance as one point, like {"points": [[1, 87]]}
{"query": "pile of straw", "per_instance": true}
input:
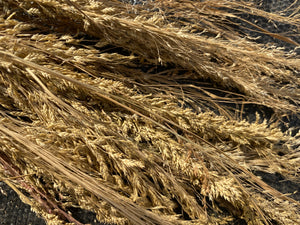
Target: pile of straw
{"points": [[137, 113]]}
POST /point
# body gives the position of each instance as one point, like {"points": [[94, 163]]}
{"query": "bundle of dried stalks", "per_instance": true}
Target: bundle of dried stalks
{"points": [[113, 108]]}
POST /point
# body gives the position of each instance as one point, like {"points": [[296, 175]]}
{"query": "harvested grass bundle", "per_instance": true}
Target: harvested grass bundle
{"points": [[99, 115]]}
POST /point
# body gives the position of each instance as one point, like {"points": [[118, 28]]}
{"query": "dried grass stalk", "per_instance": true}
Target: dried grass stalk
{"points": [[87, 120]]}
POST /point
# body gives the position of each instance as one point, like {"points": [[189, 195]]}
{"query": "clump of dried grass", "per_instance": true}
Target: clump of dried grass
{"points": [[83, 124]]}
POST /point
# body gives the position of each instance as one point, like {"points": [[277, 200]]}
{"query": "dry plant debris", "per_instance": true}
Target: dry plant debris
{"points": [[126, 111]]}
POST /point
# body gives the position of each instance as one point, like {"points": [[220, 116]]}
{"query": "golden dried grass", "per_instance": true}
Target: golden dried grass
{"points": [[83, 124]]}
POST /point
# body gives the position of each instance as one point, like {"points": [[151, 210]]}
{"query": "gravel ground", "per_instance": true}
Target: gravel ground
{"points": [[13, 211]]}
